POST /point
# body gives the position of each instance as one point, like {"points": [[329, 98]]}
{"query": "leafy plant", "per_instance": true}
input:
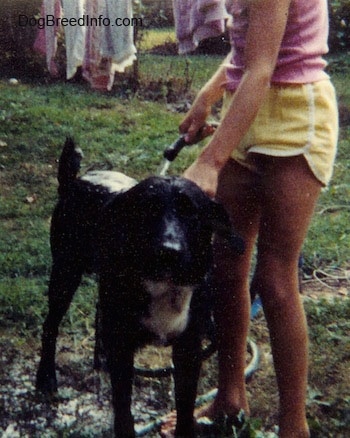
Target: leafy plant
{"points": [[339, 38]]}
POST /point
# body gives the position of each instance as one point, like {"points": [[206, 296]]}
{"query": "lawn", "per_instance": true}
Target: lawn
{"points": [[128, 132]]}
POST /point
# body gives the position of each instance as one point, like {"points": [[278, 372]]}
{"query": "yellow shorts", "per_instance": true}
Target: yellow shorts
{"points": [[294, 120]]}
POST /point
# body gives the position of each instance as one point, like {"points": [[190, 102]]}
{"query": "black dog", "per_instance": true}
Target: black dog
{"points": [[150, 244]]}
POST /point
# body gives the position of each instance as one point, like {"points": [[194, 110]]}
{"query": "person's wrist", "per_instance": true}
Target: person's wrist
{"points": [[204, 99], [212, 157]]}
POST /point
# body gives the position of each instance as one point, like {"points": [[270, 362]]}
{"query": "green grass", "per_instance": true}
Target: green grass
{"points": [[196, 69], [156, 37], [329, 401], [328, 240]]}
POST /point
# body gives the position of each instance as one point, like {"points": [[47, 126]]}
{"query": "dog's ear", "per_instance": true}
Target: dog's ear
{"points": [[220, 222], [213, 214]]}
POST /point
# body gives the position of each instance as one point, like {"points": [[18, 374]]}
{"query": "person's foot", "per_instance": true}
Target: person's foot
{"points": [[294, 431], [209, 421], [220, 407], [293, 423], [167, 429]]}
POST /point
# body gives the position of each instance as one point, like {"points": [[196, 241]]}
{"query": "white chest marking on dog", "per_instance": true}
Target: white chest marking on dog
{"points": [[168, 310], [112, 181]]}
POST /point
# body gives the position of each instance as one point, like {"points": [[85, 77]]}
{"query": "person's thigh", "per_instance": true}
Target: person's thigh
{"points": [[237, 191], [288, 195]]}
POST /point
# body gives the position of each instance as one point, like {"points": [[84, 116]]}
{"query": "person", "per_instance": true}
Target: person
{"points": [[266, 163]]}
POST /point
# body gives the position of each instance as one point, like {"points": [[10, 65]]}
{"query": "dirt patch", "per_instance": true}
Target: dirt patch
{"points": [[328, 392], [82, 407]]}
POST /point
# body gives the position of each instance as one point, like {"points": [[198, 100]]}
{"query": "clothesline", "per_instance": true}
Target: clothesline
{"points": [[100, 49], [103, 48]]}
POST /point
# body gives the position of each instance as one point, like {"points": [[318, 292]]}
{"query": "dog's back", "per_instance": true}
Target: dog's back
{"points": [[75, 217]]}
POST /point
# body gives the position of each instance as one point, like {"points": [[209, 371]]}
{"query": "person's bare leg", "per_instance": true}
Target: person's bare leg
{"points": [[232, 321], [288, 200], [231, 273]]}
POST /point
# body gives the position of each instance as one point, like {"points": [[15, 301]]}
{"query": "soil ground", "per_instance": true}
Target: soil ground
{"points": [[82, 407]]}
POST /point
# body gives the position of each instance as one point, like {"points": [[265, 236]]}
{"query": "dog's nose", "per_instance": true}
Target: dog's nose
{"points": [[172, 251], [172, 260], [172, 245]]}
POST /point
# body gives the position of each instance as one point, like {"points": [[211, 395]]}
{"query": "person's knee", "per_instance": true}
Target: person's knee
{"points": [[276, 283]]}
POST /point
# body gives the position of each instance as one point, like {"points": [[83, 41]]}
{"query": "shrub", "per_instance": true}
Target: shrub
{"points": [[158, 13], [339, 36], [16, 41]]}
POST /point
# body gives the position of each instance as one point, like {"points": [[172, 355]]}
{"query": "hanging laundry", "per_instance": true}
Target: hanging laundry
{"points": [[197, 20], [74, 36], [108, 49], [97, 70], [100, 47], [117, 39], [46, 40]]}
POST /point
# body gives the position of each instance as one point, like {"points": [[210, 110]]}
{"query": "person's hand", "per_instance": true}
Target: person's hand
{"points": [[194, 121], [205, 175]]}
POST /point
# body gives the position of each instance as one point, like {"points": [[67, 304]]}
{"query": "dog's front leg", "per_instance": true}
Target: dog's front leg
{"points": [[120, 365], [99, 353], [187, 362]]}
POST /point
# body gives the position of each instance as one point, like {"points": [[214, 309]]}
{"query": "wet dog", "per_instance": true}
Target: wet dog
{"points": [[150, 244]]}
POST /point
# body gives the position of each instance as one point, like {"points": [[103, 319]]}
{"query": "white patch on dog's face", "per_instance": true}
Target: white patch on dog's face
{"points": [[171, 240], [168, 310], [113, 181]]}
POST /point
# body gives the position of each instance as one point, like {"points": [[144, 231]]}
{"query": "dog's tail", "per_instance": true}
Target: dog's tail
{"points": [[69, 164]]}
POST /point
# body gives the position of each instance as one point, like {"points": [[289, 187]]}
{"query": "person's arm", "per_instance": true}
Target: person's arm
{"points": [[211, 93], [267, 22]]}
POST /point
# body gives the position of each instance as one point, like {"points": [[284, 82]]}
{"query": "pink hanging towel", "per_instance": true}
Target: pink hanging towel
{"points": [[46, 39], [196, 20]]}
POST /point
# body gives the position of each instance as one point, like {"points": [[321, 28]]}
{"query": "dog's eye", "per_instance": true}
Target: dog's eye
{"points": [[184, 206], [154, 207]]}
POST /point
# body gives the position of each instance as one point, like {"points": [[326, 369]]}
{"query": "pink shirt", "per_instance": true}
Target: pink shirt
{"points": [[303, 45]]}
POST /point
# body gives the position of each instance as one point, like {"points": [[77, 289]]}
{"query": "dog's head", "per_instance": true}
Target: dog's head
{"points": [[163, 227]]}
